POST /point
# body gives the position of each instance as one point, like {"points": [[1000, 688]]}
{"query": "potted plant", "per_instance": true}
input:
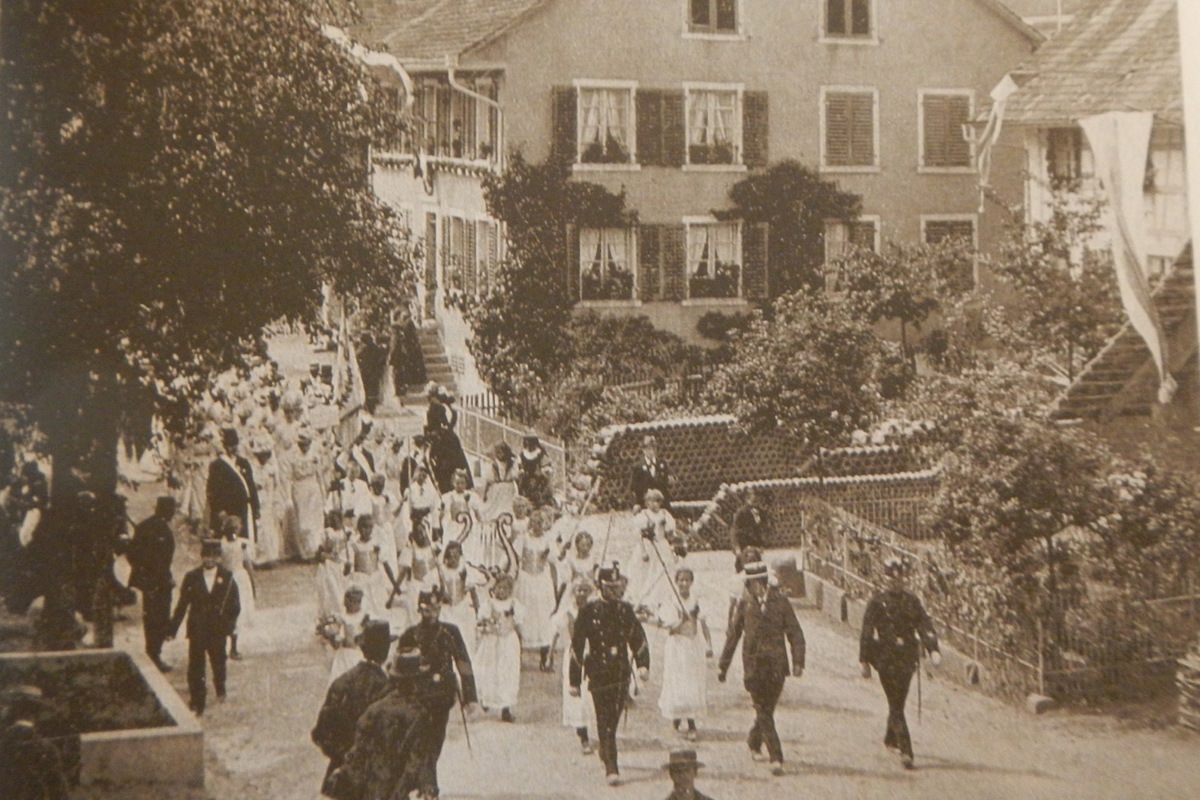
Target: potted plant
{"points": [[610, 151]]}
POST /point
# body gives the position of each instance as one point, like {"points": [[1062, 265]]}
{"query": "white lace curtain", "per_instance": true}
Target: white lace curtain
{"points": [[605, 249], [712, 117], [709, 245], [605, 113]]}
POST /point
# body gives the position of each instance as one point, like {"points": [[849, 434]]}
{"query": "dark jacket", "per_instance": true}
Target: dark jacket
{"points": [[348, 697], [389, 751], [229, 495], [444, 652], [895, 628], [210, 616], [642, 479], [769, 627], [150, 553], [606, 633], [749, 529]]}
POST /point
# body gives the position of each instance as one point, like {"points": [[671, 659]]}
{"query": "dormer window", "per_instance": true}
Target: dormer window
{"points": [[713, 16]]}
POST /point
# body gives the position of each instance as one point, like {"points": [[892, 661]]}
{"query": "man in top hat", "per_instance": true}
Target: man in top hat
{"points": [[31, 768], [388, 755], [650, 473], [682, 767], [209, 599], [766, 618], [150, 553], [607, 637], [351, 694], [895, 630], [749, 528], [231, 487], [443, 653]]}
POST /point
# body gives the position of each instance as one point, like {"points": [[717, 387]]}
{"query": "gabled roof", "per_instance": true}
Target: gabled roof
{"points": [[1115, 55], [453, 27]]}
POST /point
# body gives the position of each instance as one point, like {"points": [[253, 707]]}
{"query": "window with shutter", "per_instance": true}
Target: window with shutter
{"points": [[714, 260], [605, 123], [563, 114], [713, 16], [943, 116], [961, 228], [850, 19], [606, 264], [848, 120], [714, 124], [841, 237]]}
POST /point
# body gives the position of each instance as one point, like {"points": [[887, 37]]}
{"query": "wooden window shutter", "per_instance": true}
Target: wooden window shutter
{"points": [[755, 129], [563, 119], [934, 123], [837, 130], [862, 129], [650, 127], [649, 239], [493, 253], [849, 129], [431, 247], [674, 129], [470, 266], [447, 252], [673, 244], [755, 279], [944, 145], [958, 149], [572, 265]]}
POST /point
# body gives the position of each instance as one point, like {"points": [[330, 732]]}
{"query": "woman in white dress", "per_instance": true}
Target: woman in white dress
{"points": [[536, 581], [497, 659], [269, 546], [578, 713], [305, 475], [689, 645], [237, 556]]}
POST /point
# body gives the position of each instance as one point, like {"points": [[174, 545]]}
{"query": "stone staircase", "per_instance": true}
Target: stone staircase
{"points": [[437, 366], [1122, 380]]}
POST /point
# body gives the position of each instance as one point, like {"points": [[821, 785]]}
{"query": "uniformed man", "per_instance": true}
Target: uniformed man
{"points": [[150, 553], [209, 598], [387, 758], [607, 637], [895, 630], [770, 625], [650, 473], [351, 694], [443, 653]]}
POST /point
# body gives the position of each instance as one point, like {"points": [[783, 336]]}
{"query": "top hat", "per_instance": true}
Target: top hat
{"points": [[755, 570], [893, 566], [683, 758], [376, 633], [165, 504], [210, 548], [229, 436]]}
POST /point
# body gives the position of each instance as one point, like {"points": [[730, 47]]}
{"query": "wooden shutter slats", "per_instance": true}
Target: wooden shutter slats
{"points": [[673, 279], [755, 280], [674, 129], [650, 127], [564, 135], [649, 266], [755, 129]]}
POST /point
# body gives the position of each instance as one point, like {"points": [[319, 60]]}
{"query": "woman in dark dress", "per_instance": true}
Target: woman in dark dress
{"points": [[445, 449], [533, 480]]}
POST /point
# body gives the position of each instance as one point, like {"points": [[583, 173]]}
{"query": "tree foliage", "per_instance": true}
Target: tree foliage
{"points": [[795, 203], [808, 372]]}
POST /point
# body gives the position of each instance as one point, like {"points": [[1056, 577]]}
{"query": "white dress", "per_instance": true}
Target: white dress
{"points": [[461, 521], [459, 609], [366, 572], [535, 590], [269, 546], [233, 558], [497, 659], [684, 695], [577, 712], [501, 490], [649, 583], [307, 517], [347, 653], [331, 576]]}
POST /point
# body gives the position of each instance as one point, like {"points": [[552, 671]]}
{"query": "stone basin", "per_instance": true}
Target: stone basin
{"points": [[116, 718]]}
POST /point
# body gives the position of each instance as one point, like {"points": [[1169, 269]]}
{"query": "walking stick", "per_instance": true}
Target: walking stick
{"points": [[607, 534], [918, 688], [674, 588]]}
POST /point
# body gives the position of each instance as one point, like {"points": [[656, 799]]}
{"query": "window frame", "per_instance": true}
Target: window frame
{"points": [[738, 34], [824, 94], [631, 245], [876, 223], [739, 112], [870, 39], [922, 167], [585, 84], [974, 220], [703, 221]]}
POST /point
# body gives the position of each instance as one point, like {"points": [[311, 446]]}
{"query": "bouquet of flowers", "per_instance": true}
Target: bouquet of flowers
{"points": [[329, 628]]}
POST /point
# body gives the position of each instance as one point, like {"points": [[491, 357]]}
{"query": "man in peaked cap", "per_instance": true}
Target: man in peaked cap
{"points": [[770, 625], [607, 637], [351, 694], [895, 630], [390, 741], [682, 767], [209, 599], [443, 654]]}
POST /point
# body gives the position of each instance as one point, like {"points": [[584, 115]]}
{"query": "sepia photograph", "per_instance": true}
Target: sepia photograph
{"points": [[562, 399]]}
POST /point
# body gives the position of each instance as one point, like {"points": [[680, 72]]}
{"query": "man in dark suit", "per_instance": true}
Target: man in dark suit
{"points": [[895, 630], [351, 694], [769, 623], [650, 473], [231, 488], [209, 598], [606, 638], [443, 653], [749, 528], [150, 553]]}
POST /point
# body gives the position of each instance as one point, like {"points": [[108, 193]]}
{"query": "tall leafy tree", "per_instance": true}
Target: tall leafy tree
{"points": [[176, 174]]}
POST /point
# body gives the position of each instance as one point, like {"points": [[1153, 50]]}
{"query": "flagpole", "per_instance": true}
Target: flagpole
{"points": [[1189, 29]]}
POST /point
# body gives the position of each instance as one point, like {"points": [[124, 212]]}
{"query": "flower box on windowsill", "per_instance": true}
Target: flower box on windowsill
{"points": [[616, 286], [611, 152], [724, 285], [710, 154]]}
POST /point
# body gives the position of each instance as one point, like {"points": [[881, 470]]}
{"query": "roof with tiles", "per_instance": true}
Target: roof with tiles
{"points": [[450, 27], [1115, 55], [382, 17]]}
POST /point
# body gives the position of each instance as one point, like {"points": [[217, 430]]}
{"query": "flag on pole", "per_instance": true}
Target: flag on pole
{"points": [[1120, 142], [991, 131]]}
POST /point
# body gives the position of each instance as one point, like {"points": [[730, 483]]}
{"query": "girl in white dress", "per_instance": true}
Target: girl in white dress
{"points": [[344, 635], [333, 564], [367, 569], [684, 695], [501, 488], [237, 556], [577, 712], [462, 518], [418, 567], [580, 564], [649, 583], [536, 582], [460, 601], [497, 659]]}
